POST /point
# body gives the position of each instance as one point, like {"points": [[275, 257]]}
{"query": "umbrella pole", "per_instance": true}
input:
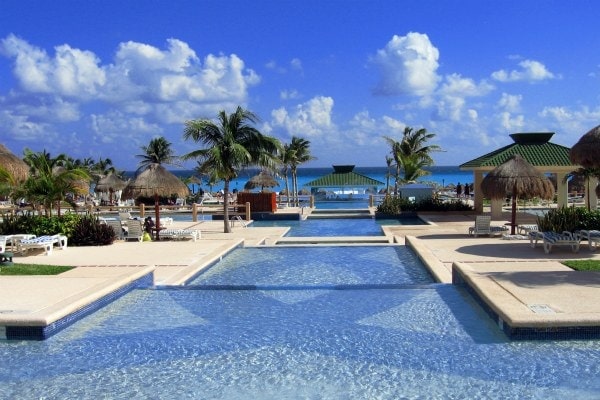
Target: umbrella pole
{"points": [[157, 215], [513, 217]]}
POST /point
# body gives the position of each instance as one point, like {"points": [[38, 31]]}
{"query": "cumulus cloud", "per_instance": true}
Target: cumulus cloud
{"points": [[109, 127], [408, 65], [312, 118], [510, 103], [289, 94], [530, 71], [70, 72], [451, 98]]}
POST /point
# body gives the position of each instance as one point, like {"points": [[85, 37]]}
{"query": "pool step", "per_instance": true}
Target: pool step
{"points": [[340, 213], [333, 240]]}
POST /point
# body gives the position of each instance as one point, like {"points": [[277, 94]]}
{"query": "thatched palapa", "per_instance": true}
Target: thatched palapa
{"points": [[13, 164], [586, 152], [110, 183], [262, 180], [518, 179], [155, 181]]}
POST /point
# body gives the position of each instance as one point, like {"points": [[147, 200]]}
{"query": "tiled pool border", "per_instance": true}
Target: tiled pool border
{"points": [[527, 333], [44, 332]]}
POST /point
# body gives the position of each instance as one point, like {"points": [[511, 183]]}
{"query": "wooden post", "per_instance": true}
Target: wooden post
{"points": [[142, 210], [194, 212], [248, 211]]}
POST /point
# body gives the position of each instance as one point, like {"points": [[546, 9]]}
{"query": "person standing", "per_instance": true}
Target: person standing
{"points": [[459, 189], [467, 190]]}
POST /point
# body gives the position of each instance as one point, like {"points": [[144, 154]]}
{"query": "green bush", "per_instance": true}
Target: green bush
{"points": [[90, 232], [392, 205], [569, 219], [38, 224]]}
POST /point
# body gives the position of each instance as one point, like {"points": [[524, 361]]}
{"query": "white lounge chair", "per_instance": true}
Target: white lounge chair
{"points": [[46, 243], [592, 236], [550, 239], [135, 231], [483, 227], [525, 229], [117, 226], [178, 234]]}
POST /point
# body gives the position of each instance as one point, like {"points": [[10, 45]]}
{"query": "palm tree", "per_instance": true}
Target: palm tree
{"points": [[158, 151], [50, 181], [285, 158], [388, 162], [411, 154], [229, 145], [300, 153], [586, 174]]}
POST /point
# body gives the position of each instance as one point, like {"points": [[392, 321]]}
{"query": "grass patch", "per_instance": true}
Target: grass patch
{"points": [[583, 265], [33, 269]]}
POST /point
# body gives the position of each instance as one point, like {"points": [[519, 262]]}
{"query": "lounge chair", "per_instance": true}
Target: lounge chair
{"points": [[135, 231], [45, 242], [525, 229], [483, 227], [116, 225], [550, 239], [178, 234], [592, 236]]}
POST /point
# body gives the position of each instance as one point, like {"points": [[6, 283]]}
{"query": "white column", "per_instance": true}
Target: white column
{"points": [[562, 188], [478, 195], [593, 198], [497, 209]]}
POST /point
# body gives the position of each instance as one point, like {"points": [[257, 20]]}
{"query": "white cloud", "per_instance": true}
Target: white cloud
{"points": [[530, 71], [110, 127], [510, 103], [22, 128], [408, 65], [289, 94], [511, 123], [451, 97], [312, 118], [71, 72]]}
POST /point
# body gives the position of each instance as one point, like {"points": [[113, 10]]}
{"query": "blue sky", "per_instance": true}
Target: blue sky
{"points": [[102, 78]]}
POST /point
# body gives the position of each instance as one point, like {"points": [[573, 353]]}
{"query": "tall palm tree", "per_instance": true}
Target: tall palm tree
{"points": [[285, 158], [300, 153], [396, 157], [229, 145], [158, 151], [388, 174]]}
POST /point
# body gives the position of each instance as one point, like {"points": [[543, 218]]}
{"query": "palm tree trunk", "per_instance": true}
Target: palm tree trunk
{"points": [[226, 226], [287, 189]]}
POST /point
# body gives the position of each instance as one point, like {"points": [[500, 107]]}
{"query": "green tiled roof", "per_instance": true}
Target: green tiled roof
{"points": [[536, 152], [344, 179]]}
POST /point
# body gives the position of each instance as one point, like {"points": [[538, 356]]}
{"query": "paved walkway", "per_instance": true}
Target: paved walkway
{"points": [[523, 285]]}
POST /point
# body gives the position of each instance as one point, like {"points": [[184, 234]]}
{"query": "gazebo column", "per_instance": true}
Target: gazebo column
{"points": [[562, 190], [478, 195], [497, 208], [591, 196]]}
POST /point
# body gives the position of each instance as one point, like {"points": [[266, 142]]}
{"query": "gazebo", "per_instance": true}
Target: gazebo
{"points": [[536, 149], [345, 183]]}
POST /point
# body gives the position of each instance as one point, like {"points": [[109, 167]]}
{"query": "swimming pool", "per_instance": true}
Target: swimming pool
{"points": [[337, 226], [321, 323]]}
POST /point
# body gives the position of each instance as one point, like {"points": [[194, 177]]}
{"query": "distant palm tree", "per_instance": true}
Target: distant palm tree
{"points": [[388, 162], [158, 151], [229, 145], [412, 154], [300, 153], [285, 158]]}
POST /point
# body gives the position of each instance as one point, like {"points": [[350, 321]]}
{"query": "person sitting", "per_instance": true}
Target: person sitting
{"points": [[148, 224]]}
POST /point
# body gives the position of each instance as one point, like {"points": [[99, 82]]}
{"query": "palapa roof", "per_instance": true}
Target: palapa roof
{"points": [[13, 164], [155, 180], [343, 176], [534, 147]]}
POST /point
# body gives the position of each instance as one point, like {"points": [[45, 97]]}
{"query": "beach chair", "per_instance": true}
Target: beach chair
{"points": [[135, 231], [525, 229], [483, 227], [116, 225], [179, 234], [45, 242], [592, 236], [550, 239]]}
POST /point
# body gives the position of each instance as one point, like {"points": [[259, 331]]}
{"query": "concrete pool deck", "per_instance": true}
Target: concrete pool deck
{"points": [[521, 286]]}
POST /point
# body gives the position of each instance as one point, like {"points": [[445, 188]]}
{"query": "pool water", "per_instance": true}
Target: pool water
{"points": [[317, 267], [295, 344], [337, 226]]}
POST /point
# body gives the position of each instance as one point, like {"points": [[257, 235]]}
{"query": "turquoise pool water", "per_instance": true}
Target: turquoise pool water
{"points": [[337, 227]]}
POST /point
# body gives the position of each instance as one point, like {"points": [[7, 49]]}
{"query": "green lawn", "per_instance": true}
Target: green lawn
{"points": [[32, 269], [583, 265]]}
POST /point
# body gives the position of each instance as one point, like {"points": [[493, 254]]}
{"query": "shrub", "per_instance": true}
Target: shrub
{"points": [[38, 224], [392, 205], [90, 232], [569, 219]]}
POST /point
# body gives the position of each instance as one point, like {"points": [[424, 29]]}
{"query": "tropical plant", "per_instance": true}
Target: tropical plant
{"points": [[51, 182], [229, 145], [411, 154], [285, 158], [158, 151], [300, 153], [90, 232], [585, 174]]}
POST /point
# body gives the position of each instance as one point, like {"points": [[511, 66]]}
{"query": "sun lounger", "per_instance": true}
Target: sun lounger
{"points": [[46, 243], [135, 231], [483, 227], [178, 234], [525, 229], [117, 226], [550, 239], [592, 236]]}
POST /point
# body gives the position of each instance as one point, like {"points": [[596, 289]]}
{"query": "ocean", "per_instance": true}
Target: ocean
{"points": [[440, 175]]}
